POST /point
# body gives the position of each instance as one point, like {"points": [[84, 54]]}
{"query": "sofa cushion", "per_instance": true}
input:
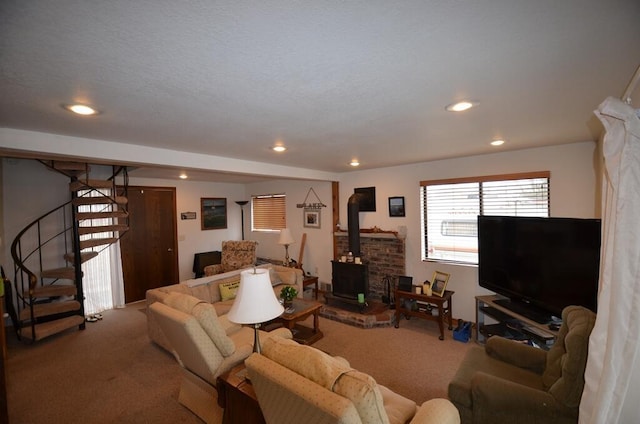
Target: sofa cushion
{"points": [[334, 374], [206, 315], [228, 290], [287, 276]]}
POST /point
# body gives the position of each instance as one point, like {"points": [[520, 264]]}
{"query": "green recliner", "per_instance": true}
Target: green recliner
{"points": [[509, 382]]}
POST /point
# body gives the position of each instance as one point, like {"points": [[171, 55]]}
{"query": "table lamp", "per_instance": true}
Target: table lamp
{"points": [[286, 239], [255, 302]]}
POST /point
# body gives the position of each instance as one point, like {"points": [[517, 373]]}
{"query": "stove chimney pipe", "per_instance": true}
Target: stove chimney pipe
{"points": [[353, 222]]}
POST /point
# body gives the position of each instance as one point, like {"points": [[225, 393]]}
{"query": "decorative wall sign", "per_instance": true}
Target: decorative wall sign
{"points": [[317, 205], [187, 215], [367, 198], [396, 206], [213, 213], [311, 218]]}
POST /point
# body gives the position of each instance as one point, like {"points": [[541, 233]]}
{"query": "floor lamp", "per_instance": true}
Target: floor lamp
{"points": [[255, 302], [242, 203]]}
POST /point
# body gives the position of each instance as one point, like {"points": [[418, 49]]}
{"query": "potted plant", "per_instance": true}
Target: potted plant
{"points": [[287, 294]]}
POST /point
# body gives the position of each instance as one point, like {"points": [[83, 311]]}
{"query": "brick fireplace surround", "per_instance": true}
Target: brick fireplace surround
{"points": [[385, 254]]}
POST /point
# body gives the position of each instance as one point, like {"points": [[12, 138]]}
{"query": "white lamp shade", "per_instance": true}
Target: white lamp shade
{"points": [[285, 236], [255, 300]]}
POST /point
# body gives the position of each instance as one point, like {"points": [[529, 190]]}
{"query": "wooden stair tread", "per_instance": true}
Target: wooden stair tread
{"points": [[89, 184], [102, 229], [55, 290], [84, 256], [52, 308], [101, 200], [68, 273], [84, 244], [101, 215], [50, 328], [69, 166]]}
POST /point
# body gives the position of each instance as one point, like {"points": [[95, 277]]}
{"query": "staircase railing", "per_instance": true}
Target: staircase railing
{"points": [[59, 229]]}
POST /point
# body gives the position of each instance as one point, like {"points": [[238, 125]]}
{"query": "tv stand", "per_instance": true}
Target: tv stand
{"points": [[509, 323], [525, 310]]}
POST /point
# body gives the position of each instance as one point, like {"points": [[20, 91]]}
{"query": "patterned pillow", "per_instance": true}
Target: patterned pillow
{"points": [[362, 390], [228, 290]]}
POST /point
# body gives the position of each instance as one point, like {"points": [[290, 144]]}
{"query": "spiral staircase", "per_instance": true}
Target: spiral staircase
{"points": [[48, 253]]}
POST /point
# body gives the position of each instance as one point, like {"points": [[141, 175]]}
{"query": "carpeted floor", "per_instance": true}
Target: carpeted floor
{"points": [[111, 372]]}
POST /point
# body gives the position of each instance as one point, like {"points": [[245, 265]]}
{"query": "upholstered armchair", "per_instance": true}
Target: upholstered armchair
{"points": [[235, 255], [507, 381]]}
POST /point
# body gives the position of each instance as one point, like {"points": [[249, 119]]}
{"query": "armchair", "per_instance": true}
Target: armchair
{"points": [[235, 255], [511, 382]]}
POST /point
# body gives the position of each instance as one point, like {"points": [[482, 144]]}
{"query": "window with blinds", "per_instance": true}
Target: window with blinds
{"points": [[268, 212], [450, 210]]}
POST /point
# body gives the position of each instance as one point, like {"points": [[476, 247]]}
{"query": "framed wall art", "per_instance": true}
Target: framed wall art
{"points": [[311, 218], [213, 213], [366, 198], [396, 206]]}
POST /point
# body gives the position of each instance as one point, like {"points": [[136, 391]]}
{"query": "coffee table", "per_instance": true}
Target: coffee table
{"points": [[303, 309]]}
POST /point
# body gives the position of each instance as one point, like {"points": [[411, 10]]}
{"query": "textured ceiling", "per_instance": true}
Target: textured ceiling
{"points": [[331, 80]]}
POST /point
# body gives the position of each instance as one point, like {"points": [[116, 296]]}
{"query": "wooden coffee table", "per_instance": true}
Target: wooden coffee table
{"points": [[303, 309]]}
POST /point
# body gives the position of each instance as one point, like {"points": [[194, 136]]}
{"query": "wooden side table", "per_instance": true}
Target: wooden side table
{"points": [[309, 280], [443, 304], [238, 398]]}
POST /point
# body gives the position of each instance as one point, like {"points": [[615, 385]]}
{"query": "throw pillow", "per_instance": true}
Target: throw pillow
{"points": [[228, 290], [362, 390], [205, 313]]}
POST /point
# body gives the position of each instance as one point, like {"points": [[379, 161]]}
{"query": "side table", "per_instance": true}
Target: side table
{"points": [[309, 280], [443, 305], [238, 398]]}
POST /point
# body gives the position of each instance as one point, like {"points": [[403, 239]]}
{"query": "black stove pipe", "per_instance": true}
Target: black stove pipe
{"points": [[353, 222]]}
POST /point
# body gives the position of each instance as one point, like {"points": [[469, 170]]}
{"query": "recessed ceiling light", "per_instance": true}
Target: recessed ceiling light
{"points": [[279, 148], [460, 106], [81, 109], [497, 142], [183, 176], [354, 162]]}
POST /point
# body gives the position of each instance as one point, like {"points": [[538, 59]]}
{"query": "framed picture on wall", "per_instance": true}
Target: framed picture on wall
{"points": [[213, 213], [366, 198], [311, 218], [396, 206]]}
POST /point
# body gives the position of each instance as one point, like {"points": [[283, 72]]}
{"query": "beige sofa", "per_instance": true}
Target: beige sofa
{"points": [[300, 384], [205, 345], [209, 290]]}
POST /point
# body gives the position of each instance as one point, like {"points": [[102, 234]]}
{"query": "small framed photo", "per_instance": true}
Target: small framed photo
{"points": [[396, 206], [213, 213], [439, 283], [311, 218]]}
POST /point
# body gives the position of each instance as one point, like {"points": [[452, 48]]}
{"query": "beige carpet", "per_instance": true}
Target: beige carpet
{"points": [[111, 372]]}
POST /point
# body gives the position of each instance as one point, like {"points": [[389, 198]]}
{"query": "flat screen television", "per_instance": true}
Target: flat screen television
{"points": [[541, 265]]}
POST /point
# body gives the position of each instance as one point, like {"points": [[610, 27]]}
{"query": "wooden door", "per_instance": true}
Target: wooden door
{"points": [[150, 248]]}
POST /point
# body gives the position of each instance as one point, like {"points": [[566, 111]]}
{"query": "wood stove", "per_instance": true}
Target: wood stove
{"points": [[349, 279]]}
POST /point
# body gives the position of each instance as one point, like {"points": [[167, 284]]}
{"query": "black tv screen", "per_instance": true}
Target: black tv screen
{"points": [[544, 263]]}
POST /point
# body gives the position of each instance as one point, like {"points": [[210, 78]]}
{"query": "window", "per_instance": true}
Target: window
{"points": [[450, 210], [268, 212]]}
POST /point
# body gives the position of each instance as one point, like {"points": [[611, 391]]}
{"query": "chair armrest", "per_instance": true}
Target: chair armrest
{"points": [[437, 411], [499, 400], [212, 270], [518, 354]]}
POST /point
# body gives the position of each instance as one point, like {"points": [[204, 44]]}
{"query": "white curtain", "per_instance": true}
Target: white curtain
{"points": [[103, 281], [610, 395]]}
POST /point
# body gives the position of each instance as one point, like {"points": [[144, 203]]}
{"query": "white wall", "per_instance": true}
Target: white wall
{"points": [[191, 238], [318, 250], [573, 194]]}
